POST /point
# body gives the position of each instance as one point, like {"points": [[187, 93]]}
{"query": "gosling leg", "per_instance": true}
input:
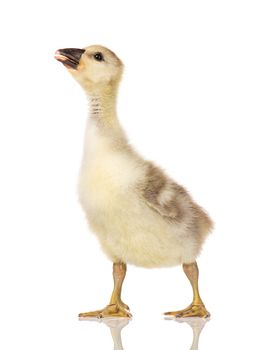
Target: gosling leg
{"points": [[197, 307], [116, 308]]}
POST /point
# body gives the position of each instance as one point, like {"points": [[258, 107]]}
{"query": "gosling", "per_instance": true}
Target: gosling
{"points": [[140, 215]]}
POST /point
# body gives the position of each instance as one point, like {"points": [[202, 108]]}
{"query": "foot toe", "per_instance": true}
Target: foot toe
{"points": [[97, 314]]}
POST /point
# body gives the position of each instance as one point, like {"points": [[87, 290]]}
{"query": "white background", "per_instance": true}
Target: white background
{"points": [[189, 101]]}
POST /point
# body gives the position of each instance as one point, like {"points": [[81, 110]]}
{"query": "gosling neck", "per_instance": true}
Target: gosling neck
{"points": [[102, 103]]}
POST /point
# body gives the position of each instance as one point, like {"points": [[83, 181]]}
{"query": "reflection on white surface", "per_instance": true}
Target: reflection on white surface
{"points": [[117, 324], [116, 327], [197, 324]]}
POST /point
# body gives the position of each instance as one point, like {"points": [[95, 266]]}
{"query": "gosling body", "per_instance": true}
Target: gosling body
{"points": [[125, 199]]}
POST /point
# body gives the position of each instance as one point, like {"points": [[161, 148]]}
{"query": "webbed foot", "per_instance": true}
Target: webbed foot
{"points": [[194, 310], [112, 310]]}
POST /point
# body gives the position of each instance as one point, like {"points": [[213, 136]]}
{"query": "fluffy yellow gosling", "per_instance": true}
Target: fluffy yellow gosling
{"points": [[138, 213]]}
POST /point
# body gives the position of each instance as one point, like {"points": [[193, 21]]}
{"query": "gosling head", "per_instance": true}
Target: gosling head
{"points": [[96, 68]]}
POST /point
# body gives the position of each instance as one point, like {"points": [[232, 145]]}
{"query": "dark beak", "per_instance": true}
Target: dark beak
{"points": [[69, 57]]}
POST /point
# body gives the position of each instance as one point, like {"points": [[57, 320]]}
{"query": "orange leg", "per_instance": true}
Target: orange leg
{"points": [[197, 307], [116, 307]]}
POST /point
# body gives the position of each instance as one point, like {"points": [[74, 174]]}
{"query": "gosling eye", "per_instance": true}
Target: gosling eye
{"points": [[98, 56]]}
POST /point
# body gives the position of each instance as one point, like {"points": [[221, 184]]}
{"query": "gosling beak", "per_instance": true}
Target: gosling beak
{"points": [[69, 57]]}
